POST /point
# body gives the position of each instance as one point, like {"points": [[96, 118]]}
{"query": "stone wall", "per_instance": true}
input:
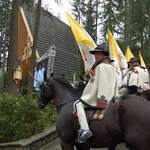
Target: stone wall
{"points": [[32, 143]]}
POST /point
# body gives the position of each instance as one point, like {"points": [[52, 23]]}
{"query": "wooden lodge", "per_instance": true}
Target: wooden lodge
{"points": [[52, 33]]}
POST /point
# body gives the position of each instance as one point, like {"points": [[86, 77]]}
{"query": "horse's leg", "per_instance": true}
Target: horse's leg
{"points": [[111, 148], [82, 146], [66, 145]]}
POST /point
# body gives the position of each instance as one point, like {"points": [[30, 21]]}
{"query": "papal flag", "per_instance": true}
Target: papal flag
{"points": [[84, 41], [117, 55], [141, 60], [143, 65], [128, 54]]}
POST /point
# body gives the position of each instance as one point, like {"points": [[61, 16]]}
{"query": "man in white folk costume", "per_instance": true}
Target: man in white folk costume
{"points": [[136, 77], [99, 53], [103, 84]]}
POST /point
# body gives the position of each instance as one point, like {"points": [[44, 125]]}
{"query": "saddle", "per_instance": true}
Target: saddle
{"points": [[95, 114]]}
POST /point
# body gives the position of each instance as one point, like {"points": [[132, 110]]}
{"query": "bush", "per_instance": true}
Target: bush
{"points": [[20, 117]]}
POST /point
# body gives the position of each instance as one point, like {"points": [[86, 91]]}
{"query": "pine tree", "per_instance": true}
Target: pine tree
{"points": [[5, 9]]}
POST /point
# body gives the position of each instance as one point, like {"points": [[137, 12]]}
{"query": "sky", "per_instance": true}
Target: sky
{"points": [[58, 10]]}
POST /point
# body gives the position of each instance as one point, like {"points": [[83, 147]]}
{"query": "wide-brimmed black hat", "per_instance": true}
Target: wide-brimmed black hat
{"points": [[132, 59], [99, 49], [107, 57]]}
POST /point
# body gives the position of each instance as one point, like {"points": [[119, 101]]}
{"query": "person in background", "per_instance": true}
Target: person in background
{"points": [[42, 73], [134, 78]]}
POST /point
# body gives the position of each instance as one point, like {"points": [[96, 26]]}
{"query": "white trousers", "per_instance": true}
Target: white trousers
{"points": [[79, 108]]}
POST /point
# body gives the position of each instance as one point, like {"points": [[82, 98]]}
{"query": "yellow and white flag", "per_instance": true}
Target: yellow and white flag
{"points": [[117, 55], [128, 54], [141, 60], [84, 41]]}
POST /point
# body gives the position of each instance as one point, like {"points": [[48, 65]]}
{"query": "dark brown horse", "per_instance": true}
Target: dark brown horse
{"points": [[127, 121], [145, 94]]}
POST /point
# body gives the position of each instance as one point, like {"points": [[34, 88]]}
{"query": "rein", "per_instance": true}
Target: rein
{"points": [[44, 103], [65, 103]]}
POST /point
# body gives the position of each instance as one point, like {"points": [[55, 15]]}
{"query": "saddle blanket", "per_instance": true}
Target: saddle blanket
{"points": [[98, 114]]}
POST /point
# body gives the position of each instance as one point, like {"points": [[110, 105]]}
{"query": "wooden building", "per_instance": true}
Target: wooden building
{"points": [[52, 32]]}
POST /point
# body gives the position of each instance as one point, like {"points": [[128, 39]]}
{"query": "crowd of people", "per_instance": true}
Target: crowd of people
{"points": [[104, 84]]}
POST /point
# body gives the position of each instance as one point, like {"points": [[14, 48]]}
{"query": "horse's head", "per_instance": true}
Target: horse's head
{"points": [[46, 96]]}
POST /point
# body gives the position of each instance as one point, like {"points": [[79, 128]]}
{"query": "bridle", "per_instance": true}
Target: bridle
{"points": [[65, 103], [43, 103]]}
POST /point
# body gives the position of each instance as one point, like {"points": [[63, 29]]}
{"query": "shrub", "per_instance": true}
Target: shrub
{"points": [[20, 117]]}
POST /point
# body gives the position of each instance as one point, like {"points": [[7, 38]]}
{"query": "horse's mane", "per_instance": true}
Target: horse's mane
{"points": [[64, 83]]}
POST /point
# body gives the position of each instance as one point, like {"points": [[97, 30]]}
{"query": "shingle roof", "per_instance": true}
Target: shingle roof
{"points": [[55, 32]]}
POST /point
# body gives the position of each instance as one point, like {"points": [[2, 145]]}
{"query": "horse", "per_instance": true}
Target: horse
{"points": [[126, 121], [145, 94]]}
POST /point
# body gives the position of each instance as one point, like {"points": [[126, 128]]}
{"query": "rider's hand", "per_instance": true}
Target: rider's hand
{"points": [[92, 72]]}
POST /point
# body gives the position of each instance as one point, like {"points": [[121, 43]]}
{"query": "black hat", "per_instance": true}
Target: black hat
{"points": [[132, 59], [99, 49], [107, 57]]}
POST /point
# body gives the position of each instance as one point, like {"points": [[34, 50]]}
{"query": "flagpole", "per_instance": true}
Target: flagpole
{"points": [[84, 60]]}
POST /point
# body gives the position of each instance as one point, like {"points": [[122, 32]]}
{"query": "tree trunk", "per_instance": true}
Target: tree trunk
{"points": [[97, 4], [4, 60], [148, 27], [33, 57], [12, 87], [127, 34]]}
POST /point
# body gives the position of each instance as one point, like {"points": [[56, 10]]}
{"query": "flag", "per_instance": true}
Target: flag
{"points": [[128, 54], [118, 57], [84, 41], [116, 53], [141, 60]]}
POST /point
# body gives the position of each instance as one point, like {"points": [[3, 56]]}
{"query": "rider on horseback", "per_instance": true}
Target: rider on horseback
{"points": [[135, 77], [105, 75]]}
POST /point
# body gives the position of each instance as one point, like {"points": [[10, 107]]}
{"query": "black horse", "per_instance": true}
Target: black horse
{"points": [[127, 121]]}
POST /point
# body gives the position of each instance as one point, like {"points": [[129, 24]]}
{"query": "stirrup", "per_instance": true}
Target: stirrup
{"points": [[83, 135], [78, 141]]}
